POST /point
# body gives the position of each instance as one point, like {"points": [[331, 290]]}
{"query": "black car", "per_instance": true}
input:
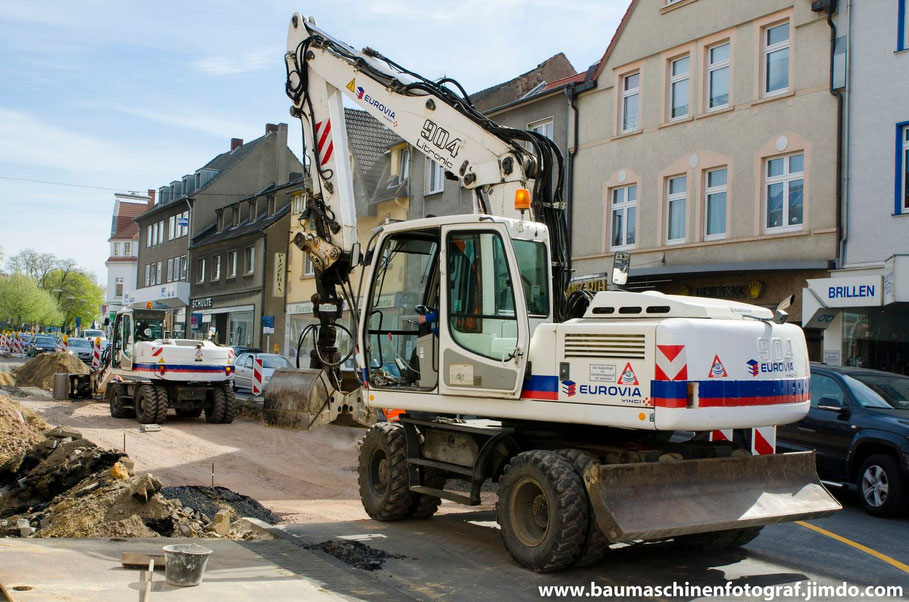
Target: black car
{"points": [[41, 344], [859, 425]]}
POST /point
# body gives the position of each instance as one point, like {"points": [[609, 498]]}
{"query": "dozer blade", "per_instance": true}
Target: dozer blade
{"points": [[656, 500], [304, 398]]}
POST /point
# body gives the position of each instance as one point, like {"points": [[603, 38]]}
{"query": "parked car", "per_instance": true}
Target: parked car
{"points": [[240, 349], [41, 343], [859, 426], [93, 333], [81, 348], [243, 373]]}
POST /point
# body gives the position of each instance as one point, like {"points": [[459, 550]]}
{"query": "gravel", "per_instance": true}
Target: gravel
{"points": [[208, 500], [355, 553]]}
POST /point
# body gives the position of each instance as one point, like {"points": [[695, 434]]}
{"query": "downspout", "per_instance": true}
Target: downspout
{"points": [[842, 225], [569, 160], [187, 318]]}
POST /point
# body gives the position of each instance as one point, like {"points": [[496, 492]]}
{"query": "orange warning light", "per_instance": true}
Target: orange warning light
{"points": [[522, 199]]}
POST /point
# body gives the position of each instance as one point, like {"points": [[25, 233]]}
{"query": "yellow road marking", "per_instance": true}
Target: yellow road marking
{"points": [[858, 546]]}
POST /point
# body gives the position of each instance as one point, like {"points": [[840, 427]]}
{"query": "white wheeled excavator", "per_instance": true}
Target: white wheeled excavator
{"points": [[592, 413]]}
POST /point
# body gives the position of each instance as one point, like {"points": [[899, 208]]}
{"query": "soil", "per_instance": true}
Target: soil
{"points": [[355, 553], [20, 428], [39, 371]]}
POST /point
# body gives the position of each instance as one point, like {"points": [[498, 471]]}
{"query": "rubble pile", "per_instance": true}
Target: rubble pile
{"points": [[39, 371], [66, 486], [20, 428]]}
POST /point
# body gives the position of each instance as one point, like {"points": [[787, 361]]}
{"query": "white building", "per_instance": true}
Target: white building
{"points": [[122, 264]]}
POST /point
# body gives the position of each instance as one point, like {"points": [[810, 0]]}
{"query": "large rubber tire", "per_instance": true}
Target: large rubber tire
{"points": [[717, 540], [163, 403], [223, 405], [542, 511], [881, 486], [117, 409], [424, 506], [595, 544], [148, 405], [189, 412], [382, 474]]}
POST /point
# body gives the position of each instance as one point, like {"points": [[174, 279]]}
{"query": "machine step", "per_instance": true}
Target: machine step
{"points": [[446, 495], [455, 468]]}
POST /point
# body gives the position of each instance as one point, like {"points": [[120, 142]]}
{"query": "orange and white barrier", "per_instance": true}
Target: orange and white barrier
{"points": [[96, 354], [721, 435], [65, 344], [19, 350], [257, 376], [4, 343], [763, 440]]}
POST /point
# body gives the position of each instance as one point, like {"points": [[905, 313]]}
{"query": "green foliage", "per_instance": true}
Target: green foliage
{"points": [[77, 294], [23, 302]]}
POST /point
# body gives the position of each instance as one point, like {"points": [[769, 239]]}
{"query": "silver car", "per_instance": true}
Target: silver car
{"points": [[81, 348], [243, 372]]}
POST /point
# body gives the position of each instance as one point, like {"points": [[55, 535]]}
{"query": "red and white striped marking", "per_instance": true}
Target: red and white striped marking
{"points": [[19, 342], [721, 435], [671, 363], [326, 146], [96, 354], [763, 440], [4, 343], [257, 376]]}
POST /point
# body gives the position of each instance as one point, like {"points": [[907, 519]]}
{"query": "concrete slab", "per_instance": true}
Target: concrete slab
{"points": [[89, 569]]}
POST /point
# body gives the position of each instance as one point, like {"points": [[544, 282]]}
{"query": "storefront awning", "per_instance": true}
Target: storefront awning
{"points": [[166, 296]]}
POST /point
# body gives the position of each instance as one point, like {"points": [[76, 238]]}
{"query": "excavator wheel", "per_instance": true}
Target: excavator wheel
{"points": [[542, 511], [117, 408], [189, 412], [382, 474], [223, 405], [717, 540], [148, 408], [163, 403], [595, 545]]}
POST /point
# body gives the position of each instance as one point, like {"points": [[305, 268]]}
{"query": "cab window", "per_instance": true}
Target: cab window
{"points": [[533, 264]]}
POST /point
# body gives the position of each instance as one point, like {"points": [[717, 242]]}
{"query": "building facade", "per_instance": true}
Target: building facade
{"points": [[863, 306], [706, 149], [239, 271], [189, 205], [122, 264]]}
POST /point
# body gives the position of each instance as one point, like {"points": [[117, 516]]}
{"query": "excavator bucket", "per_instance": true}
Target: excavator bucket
{"points": [[658, 500], [304, 398]]}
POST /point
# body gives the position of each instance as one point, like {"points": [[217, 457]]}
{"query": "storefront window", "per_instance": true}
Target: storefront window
{"points": [[877, 338], [241, 330]]}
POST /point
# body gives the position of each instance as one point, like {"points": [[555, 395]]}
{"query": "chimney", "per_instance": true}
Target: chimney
{"points": [[151, 197], [235, 143], [271, 128]]}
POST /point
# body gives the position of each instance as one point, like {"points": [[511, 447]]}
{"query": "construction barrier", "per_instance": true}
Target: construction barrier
{"points": [[19, 350], [65, 344], [257, 376], [763, 440], [4, 343], [96, 354], [721, 435]]}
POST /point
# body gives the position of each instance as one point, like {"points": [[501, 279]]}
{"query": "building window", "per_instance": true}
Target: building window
{"points": [[118, 288], [678, 87], [154, 238], [148, 237], [128, 249], [631, 87], [623, 208], [902, 42], [171, 227], [676, 193], [159, 273], [543, 127], [183, 266], [249, 258], [216, 268], [160, 232], [200, 265], [435, 177], [170, 270], [718, 76], [901, 204], [405, 163], [235, 215], [776, 58], [147, 274], [307, 266], [297, 206], [271, 205], [715, 205], [784, 190], [232, 264], [183, 223], [116, 249]]}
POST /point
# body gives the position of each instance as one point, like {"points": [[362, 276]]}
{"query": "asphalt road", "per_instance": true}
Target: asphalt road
{"points": [[460, 556]]}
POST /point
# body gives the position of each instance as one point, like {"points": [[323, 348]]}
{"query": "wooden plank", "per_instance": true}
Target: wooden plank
{"points": [[135, 560]]}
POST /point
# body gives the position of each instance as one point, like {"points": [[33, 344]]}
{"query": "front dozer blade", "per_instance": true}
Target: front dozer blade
{"points": [[305, 398], [657, 500]]}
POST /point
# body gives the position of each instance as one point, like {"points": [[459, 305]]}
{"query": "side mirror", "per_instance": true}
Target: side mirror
{"points": [[620, 265], [779, 314], [355, 255], [831, 404]]}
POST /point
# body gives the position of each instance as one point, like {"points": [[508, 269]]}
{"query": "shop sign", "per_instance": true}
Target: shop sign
{"points": [[280, 269], [832, 357], [853, 291], [589, 284], [268, 325], [299, 308], [202, 303]]}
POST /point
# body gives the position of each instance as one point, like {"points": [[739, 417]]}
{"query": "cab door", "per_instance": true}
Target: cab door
{"points": [[484, 333], [124, 354]]}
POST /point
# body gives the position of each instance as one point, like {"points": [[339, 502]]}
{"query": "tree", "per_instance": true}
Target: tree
{"points": [[78, 295], [23, 302], [32, 263]]}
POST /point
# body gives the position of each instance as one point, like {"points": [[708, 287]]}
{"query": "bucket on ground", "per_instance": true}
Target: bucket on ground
{"points": [[184, 564]]}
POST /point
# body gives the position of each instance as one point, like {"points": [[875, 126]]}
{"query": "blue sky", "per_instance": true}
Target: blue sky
{"points": [[109, 95]]}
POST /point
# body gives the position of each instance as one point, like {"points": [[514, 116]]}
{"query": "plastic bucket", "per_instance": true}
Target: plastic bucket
{"points": [[185, 563]]}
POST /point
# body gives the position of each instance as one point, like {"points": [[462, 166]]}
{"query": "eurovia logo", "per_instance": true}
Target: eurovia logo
{"points": [[753, 367], [569, 387], [360, 92]]}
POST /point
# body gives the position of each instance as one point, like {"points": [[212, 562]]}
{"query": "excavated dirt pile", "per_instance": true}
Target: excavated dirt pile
{"points": [[20, 428], [39, 371], [66, 486]]}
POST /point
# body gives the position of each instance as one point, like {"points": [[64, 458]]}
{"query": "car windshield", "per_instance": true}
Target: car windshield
{"points": [[81, 343], [274, 361], [888, 391], [45, 341]]}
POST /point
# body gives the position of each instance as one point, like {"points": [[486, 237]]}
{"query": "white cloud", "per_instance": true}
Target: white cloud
{"points": [[202, 121], [248, 62]]}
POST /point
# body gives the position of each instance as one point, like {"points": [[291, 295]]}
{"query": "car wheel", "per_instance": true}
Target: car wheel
{"points": [[881, 486]]}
